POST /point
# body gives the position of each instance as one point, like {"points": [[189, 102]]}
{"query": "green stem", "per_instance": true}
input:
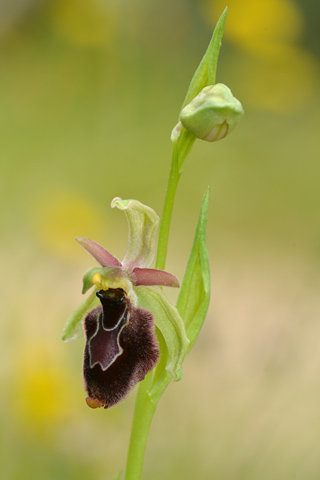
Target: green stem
{"points": [[143, 414], [147, 399], [173, 181], [181, 148], [145, 407]]}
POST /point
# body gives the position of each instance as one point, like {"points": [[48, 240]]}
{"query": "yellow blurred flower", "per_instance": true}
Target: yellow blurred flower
{"points": [[273, 73], [87, 23], [282, 82], [60, 217], [251, 24], [42, 391]]}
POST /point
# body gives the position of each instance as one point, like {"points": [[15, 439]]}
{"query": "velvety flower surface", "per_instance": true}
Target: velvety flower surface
{"points": [[121, 343], [121, 348]]}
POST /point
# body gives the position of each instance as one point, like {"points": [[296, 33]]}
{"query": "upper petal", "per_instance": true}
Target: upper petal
{"points": [[99, 253], [142, 223]]}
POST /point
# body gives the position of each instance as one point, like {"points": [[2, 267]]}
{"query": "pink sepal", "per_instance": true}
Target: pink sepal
{"points": [[99, 253], [151, 276]]}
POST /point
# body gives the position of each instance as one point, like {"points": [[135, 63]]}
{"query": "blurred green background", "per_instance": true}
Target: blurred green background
{"points": [[90, 90]]}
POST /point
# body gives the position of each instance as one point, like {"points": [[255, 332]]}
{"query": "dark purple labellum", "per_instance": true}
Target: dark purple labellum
{"points": [[121, 348]]}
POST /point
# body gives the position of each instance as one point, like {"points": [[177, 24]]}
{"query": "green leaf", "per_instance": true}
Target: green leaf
{"points": [[194, 298], [204, 75], [118, 476], [170, 324], [206, 71], [73, 327]]}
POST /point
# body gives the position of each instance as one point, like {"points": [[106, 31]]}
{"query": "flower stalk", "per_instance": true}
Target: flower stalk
{"points": [[143, 415], [135, 335], [173, 181], [151, 390]]}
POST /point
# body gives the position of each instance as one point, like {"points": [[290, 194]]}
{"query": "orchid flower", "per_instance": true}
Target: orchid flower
{"points": [[121, 333]]}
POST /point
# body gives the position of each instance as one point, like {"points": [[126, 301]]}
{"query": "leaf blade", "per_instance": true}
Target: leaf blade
{"points": [[194, 298], [205, 74]]}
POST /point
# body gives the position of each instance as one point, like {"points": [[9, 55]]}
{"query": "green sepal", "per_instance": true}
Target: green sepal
{"points": [[194, 297], [168, 321], [160, 369], [143, 223], [161, 377], [88, 277], [206, 71], [73, 328]]}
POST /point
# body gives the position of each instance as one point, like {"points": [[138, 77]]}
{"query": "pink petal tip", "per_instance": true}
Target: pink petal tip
{"points": [[99, 253], [152, 276]]}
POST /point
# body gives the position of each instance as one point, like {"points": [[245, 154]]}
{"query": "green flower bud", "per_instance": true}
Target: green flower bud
{"points": [[212, 114]]}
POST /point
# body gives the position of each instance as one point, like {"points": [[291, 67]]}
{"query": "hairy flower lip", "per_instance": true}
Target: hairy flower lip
{"points": [[115, 351], [121, 348], [107, 331]]}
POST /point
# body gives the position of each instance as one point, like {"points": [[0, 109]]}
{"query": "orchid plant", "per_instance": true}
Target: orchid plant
{"points": [[133, 333]]}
